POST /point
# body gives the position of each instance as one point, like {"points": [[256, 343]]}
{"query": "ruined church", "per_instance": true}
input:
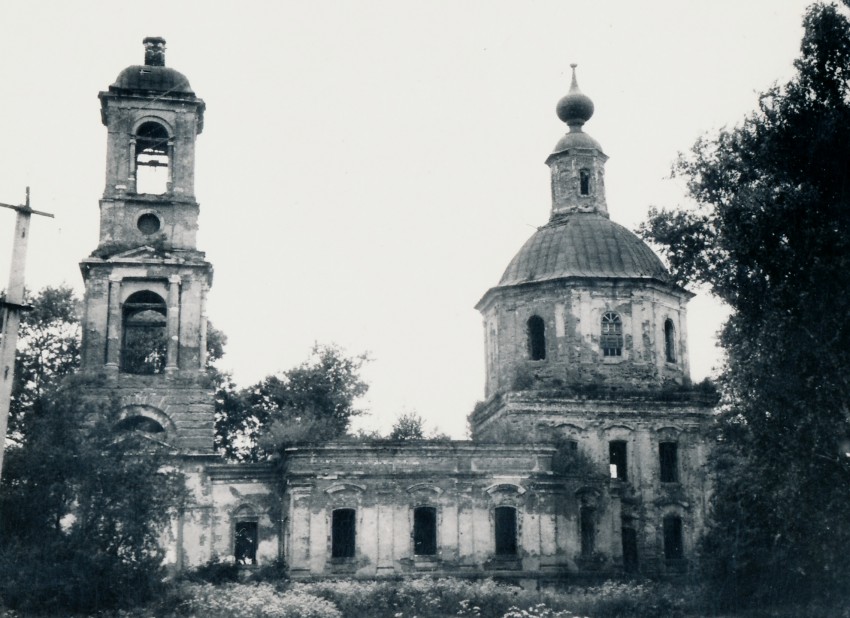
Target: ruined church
{"points": [[587, 456]]}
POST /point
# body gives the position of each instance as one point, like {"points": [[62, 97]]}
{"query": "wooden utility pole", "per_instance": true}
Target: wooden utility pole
{"points": [[12, 307]]}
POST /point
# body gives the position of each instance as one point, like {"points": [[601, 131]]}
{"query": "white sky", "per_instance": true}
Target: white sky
{"points": [[368, 169]]}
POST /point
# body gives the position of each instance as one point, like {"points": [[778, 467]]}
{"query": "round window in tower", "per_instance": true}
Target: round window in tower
{"points": [[148, 224]]}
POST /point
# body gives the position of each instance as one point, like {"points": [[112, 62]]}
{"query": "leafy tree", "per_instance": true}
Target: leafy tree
{"points": [[81, 513], [48, 350], [312, 402], [770, 235], [408, 426], [411, 426]]}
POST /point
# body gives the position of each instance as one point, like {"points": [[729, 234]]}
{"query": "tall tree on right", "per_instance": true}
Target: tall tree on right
{"points": [[770, 236]]}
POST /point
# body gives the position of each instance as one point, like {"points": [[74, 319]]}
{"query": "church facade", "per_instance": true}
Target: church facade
{"points": [[587, 456]]}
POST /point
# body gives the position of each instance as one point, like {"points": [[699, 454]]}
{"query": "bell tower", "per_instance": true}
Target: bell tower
{"points": [[144, 328]]}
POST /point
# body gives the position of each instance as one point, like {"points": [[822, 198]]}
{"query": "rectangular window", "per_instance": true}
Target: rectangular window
{"points": [[245, 542], [673, 538], [630, 550], [505, 531], [425, 531], [668, 455], [587, 525], [617, 459], [343, 533]]}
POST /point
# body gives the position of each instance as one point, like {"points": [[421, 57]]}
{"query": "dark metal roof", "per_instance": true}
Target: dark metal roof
{"points": [[148, 78], [583, 245], [576, 139]]}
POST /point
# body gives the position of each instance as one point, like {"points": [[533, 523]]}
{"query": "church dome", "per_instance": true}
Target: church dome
{"points": [[153, 76], [583, 245], [146, 78]]}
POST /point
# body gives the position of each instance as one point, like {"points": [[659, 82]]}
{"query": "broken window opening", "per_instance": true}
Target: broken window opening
{"points": [[425, 531], [617, 459], [505, 531], [245, 542], [673, 549], [668, 455], [343, 533], [587, 528], [536, 338], [630, 550], [152, 159], [670, 341], [139, 423], [584, 182], [611, 339], [144, 346]]}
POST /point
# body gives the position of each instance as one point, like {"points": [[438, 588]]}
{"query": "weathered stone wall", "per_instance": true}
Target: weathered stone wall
{"points": [[179, 399], [123, 115], [464, 482], [572, 313], [642, 422]]}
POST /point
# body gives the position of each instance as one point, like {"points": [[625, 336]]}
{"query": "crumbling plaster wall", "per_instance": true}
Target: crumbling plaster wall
{"points": [[643, 423], [572, 314], [125, 115], [464, 483]]}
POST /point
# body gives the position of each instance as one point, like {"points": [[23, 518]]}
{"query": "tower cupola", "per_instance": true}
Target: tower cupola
{"points": [[153, 118], [577, 162]]}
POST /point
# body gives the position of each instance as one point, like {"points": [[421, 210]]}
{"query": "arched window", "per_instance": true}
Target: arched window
{"points": [[144, 346], [505, 530], [152, 159], [139, 423], [670, 341], [245, 537], [245, 542], [536, 338], [343, 533], [584, 182], [611, 339], [425, 531], [673, 549]]}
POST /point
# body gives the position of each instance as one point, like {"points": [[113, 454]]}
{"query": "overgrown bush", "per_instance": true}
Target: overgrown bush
{"points": [[254, 601], [423, 597], [81, 513], [214, 572]]}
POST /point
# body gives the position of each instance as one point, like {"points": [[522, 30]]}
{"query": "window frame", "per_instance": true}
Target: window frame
{"points": [[587, 530], [253, 540], [670, 355], [611, 340], [505, 545], [152, 151], [668, 465], [431, 543], [343, 540], [672, 530], [584, 182], [536, 335], [135, 330], [614, 448]]}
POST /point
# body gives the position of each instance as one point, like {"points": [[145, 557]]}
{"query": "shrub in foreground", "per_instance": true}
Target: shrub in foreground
{"points": [[253, 601]]}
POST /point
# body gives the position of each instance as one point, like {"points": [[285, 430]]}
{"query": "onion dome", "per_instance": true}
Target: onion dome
{"points": [[153, 76], [575, 108], [583, 245]]}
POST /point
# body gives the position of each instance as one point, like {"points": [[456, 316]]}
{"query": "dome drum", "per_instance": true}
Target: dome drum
{"points": [[582, 332]]}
